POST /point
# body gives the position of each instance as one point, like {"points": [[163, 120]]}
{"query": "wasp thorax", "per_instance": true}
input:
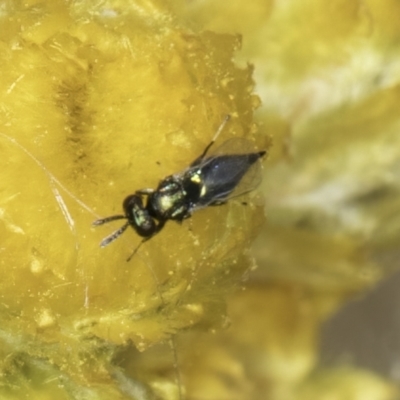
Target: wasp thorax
{"points": [[169, 200]]}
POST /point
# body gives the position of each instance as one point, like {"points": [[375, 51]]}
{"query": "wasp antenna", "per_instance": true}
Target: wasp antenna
{"points": [[110, 238], [102, 221]]}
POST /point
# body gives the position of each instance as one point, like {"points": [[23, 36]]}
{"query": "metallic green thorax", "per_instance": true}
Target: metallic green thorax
{"points": [[174, 197]]}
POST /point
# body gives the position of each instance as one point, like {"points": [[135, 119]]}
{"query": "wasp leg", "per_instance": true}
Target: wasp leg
{"points": [[145, 191], [158, 228], [137, 248], [219, 130], [218, 203]]}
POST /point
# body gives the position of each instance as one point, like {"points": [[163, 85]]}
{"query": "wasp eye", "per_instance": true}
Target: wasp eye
{"points": [[131, 202]]}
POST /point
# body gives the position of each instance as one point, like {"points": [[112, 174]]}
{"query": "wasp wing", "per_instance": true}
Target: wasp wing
{"points": [[234, 168]]}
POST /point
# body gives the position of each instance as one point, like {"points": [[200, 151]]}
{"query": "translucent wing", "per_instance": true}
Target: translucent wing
{"points": [[232, 169], [253, 176]]}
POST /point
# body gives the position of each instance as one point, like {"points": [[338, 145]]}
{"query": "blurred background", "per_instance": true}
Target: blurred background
{"points": [[328, 76]]}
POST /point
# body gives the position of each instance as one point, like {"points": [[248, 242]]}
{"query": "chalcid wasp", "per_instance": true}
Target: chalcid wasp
{"points": [[233, 169]]}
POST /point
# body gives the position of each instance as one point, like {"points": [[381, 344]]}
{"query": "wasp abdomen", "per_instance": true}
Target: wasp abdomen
{"points": [[221, 175]]}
